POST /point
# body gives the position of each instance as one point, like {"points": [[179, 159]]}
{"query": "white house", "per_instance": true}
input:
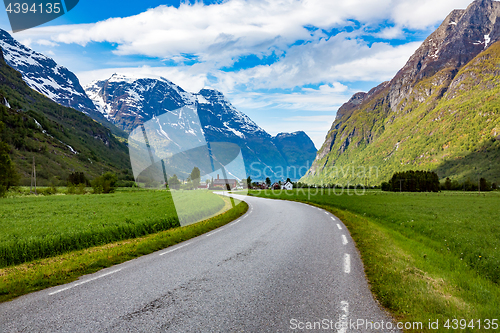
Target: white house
{"points": [[287, 186]]}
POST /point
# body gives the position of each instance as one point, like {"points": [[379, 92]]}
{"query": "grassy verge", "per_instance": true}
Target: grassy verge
{"points": [[427, 257], [40, 274]]}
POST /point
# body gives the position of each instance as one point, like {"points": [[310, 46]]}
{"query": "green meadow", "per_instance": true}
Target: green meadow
{"points": [[63, 268], [427, 256], [34, 227]]}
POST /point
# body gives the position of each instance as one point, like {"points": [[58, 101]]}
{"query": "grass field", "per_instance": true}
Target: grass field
{"points": [[427, 256], [44, 273], [34, 227]]}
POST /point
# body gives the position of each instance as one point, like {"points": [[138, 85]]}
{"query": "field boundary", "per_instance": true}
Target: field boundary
{"points": [[37, 275]]}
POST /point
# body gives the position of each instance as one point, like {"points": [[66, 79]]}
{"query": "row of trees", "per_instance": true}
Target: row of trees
{"points": [[413, 181], [77, 178], [468, 185], [428, 181]]}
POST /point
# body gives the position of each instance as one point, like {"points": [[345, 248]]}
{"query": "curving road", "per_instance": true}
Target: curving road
{"points": [[282, 267]]}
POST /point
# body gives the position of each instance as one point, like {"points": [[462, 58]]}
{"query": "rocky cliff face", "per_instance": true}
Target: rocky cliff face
{"points": [[375, 129], [461, 37]]}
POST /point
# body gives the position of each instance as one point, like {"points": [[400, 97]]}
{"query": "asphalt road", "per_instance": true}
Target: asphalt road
{"points": [[279, 268]]}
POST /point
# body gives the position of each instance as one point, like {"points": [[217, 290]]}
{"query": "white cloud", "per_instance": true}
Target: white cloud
{"points": [[185, 77], [334, 60], [328, 119], [221, 32], [424, 13], [46, 42], [326, 98], [390, 33]]}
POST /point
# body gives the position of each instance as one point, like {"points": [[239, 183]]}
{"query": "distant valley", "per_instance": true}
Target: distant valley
{"points": [[122, 103]]}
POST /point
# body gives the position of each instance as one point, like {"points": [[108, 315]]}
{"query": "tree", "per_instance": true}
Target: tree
{"points": [[288, 180], [174, 182], [484, 185], [447, 184], [105, 183], [249, 182], [77, 178], [195, 177], [268, 181], [8, 174], [385, 186]]}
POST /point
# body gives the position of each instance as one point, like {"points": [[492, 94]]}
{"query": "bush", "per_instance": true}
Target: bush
{"points": [[46, 190], [81, 188], [71, 189], [105, 183], [125, 183]]}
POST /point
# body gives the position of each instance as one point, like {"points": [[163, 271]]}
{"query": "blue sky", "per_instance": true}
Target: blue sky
{"points": [[288, 64]]}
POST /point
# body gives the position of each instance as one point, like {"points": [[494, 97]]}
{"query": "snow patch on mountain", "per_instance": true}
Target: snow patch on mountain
{"points": [[44, 75], [126, 99]]}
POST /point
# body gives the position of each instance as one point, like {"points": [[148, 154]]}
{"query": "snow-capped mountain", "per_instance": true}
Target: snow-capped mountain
{"points": [[128, 102], [44, 75], [61, 139]]}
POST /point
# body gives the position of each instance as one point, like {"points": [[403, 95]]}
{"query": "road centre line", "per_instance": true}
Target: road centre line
{"points": [[338, 226], [344, 239], [333, 218], [172, 250], [347, 263], [80, 283], [343, 317], [327, 213]]}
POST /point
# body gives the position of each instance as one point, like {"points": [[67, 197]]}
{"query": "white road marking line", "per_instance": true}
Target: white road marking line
{"points": [[179, 247], [333, 218], [344, 239], [80, 283], [347, 263], [343, 317], [327, 213], [338, 226], [235, 222], [210, 234]]}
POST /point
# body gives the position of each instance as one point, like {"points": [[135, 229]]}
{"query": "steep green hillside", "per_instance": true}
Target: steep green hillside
{"points": [[450, 122], [61, 139]]}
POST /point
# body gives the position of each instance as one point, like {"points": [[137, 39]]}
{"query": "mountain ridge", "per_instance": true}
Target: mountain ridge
{"points": [[391, 128], [43, 74], [131, 101], [61, 139]]}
